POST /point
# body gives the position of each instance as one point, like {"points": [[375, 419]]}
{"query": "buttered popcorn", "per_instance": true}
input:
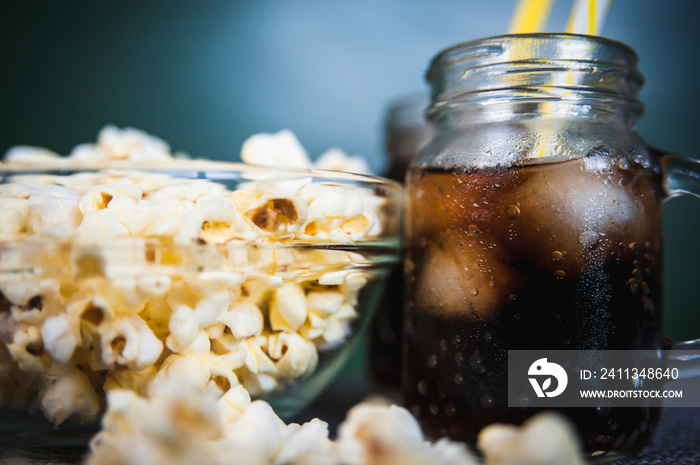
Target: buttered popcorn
{"points": [[130, 280], [184, 426]]}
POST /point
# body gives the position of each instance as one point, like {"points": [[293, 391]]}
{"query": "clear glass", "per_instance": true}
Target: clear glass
{"points": [[123, 271], [533, 221], [406, 131]]}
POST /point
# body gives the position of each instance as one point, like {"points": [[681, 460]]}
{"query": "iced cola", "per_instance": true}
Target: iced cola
{"points": [[555, 255]]}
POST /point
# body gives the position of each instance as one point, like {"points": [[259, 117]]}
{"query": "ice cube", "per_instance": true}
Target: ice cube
{"points": [[571, 209], [465, 275]]}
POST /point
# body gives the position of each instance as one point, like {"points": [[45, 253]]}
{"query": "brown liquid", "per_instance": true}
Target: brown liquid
{"points": [[553, 256]]}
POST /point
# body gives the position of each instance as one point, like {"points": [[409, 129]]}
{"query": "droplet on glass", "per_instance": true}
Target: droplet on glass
{"points": [[557, 257], [432, 361], [512, 212]]}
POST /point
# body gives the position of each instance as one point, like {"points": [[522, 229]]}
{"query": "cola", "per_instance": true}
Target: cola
{"points": [[555, 255]]}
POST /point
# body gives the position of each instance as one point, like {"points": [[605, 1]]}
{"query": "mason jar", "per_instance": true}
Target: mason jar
{"points": [[533, 221]]}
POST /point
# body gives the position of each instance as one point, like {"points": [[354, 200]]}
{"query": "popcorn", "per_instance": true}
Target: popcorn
{"points": [[294, 356], [130, 343], [208, 310], [243, 320], [181, 424], [184, 189], [54, 206], [29, 155], [288, 308], [257, 359], [59, 337], [336, 160], [545, 439], [71, 394], [277, 215], [278, 150], [101, 223], [128, 144], [99, 197], [136, 381], [375, 429], [179, 427], [27, 350], [14, 213], [183, 329], [175, 300]]}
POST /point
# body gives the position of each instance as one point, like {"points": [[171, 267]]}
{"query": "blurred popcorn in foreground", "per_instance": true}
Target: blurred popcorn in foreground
{"points": [[545, 439], [374, 434], [181, 426], [155, 278]]}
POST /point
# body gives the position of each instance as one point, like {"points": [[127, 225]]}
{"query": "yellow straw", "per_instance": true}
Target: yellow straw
{"points": [[587, 16], [530, 16]]}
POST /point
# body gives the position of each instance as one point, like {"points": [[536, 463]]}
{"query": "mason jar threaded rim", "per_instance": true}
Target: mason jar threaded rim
{"points": [[542, 67]]}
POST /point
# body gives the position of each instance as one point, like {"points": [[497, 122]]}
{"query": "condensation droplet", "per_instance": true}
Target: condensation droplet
{"points": [[422, 388], [512, 212], [559, 274], [459, 358], [450, 410], [513, 298], [557, 257], [475, 360], [486, 401], [475, 292], [472, 229], [459, 377], [432, 361], [433, 408], [488, 337]]}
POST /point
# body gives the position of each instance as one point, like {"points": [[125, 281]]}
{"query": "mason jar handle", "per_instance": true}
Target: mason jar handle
{"points": [[681, 175]]}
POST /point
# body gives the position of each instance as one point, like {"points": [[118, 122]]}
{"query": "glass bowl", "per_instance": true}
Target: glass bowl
{"points": [[112, 274]]}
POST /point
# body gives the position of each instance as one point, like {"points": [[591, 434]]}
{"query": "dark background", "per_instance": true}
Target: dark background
{"points": [[203, 75]]}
